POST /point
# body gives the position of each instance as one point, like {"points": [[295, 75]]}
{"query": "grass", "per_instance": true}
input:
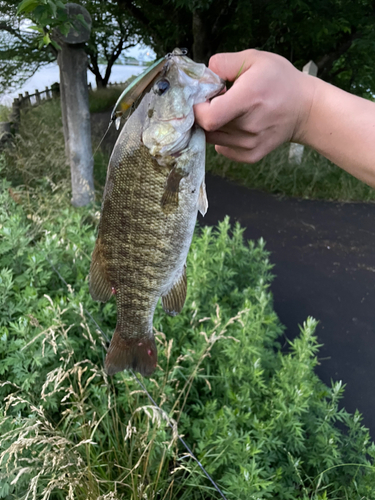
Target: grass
{"points": [[4, 113], [315, 178], [38, 151]]}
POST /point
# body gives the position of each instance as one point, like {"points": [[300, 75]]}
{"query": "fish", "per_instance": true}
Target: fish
{"points": [[154, 188]]}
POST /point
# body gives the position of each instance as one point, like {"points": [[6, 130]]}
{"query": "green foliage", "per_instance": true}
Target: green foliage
{"points": [[20, 55], [259, 420], [4, 113], [47, 16], [336, 34], [316, 177], [112, 33], [38, 153]]}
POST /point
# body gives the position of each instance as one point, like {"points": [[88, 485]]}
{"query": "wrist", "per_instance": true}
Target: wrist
{"points": [[309, 90]]}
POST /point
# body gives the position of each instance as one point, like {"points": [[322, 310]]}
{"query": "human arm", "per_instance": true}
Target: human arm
{"points": [[271, 102]]}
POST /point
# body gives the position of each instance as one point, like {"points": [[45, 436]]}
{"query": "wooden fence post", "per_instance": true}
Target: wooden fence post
{"points": [[72, 61], [27, 98], [296, 150], [15, 114], [5, 134]]}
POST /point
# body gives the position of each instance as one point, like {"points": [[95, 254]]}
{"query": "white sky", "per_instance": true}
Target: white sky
{"points": [[49, 74]]}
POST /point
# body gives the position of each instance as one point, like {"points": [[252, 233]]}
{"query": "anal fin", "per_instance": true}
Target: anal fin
{"points": [[100, 288], [174, 300], [131, 353]]}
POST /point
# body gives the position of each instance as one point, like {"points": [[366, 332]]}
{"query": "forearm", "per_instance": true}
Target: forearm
{"points": [[341, 127]]}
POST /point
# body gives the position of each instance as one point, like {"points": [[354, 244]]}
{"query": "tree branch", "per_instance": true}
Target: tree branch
{"points": [[325, 63]]}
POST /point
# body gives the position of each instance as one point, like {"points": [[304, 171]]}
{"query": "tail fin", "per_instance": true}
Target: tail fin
{"points": [[138, 354]]}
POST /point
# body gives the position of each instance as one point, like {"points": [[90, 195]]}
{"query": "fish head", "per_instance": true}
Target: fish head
{"points": [[170, 115]]}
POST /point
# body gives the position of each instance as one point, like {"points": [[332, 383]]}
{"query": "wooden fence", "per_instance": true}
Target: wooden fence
{"points": [[25, 101]]}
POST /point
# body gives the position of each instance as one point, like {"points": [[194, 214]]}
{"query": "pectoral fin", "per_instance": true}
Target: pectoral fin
{"points": [[169, 200], [174, 300], [202, 199], [100, 288]]}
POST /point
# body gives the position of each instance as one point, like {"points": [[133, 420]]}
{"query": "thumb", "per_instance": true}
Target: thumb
{"points": [[212, 115], [231, 65]]}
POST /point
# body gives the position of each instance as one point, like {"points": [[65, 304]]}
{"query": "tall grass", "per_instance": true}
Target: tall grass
{"points": [[4, 113], [315, 178], [38, 152]]}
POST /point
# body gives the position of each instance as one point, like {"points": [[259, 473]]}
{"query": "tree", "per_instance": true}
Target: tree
{"points": [[337, 34], [112, 33], [21, 53], [24, 49]]}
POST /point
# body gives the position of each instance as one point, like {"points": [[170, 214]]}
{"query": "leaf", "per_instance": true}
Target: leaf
{"points": [[55, 44], [36, 28], [81, 19], [27, 6], [46, 39]]}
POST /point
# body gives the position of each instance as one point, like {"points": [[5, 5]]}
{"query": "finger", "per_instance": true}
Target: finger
{"points": [[214, 114], [238, 140], [230, 65], [241, 155]]}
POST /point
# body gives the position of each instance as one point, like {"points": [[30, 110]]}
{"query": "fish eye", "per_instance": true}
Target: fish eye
{"points": [[161, 86]]}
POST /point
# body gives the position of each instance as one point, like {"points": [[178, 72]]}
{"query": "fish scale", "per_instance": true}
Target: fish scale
{"points": [[148, 215]]}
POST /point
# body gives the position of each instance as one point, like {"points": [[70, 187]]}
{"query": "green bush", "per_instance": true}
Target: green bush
{"points": [[259, 420]]}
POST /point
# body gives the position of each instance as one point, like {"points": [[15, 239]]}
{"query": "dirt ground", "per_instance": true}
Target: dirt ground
{"points": [[325, 268]]}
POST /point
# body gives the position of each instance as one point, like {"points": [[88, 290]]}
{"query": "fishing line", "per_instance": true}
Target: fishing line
{"points": [[102, 139], [179, 437], [165, 415]]}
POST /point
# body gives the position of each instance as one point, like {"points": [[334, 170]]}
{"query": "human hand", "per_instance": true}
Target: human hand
{"points": [[268, 104]]}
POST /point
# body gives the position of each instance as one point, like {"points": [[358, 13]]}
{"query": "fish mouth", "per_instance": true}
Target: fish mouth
{"points": [[217, 92], [173, 119]]}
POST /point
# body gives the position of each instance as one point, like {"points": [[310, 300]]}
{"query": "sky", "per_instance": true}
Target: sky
{"points": [[49, 74]]}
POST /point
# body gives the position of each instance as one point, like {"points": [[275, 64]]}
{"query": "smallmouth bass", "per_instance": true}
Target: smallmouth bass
{"points": [[154, 189]]}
